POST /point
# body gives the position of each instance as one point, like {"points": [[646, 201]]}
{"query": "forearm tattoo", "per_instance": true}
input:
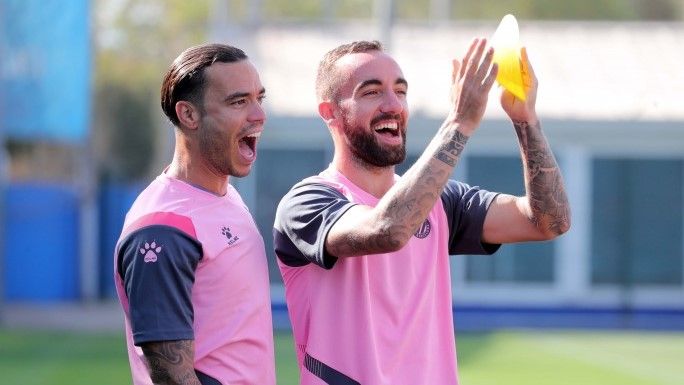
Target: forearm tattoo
{"points": [[543, 180], [450, 152], [403, 214], [171, 362], [409, 205], [407, 211], [353, 242]]}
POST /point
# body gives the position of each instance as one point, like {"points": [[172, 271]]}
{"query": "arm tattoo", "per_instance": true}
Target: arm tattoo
{"points": [[171, 362], [450, 152], [403, 214], [409, 204], [543, 181], [407, 211]]}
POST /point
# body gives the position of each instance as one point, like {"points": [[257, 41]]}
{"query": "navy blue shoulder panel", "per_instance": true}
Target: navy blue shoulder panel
{"points": [[304, 217], [157, 265], [205, 379], [466, 208]]}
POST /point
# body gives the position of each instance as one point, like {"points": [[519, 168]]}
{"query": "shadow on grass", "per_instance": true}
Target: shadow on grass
{"points": [[471, 345]]}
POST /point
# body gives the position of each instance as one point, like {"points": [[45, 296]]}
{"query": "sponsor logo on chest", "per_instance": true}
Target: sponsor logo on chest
{"points": [[230, 235]]}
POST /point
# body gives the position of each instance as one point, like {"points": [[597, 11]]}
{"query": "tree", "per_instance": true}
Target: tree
{"points": [[135, 41]]}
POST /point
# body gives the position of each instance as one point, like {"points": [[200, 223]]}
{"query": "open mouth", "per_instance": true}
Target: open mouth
{"points": [[247, 145], [390, 128]]}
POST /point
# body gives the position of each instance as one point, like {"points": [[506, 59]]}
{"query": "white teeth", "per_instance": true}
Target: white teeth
{"points": [[387, 125], [255, 135]]}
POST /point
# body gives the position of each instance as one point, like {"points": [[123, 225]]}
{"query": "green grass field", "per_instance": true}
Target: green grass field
{"points": [[524, 358]]}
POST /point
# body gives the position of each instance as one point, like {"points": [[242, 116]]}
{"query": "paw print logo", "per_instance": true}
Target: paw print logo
{"points": [[150, 251], [226, 231]]}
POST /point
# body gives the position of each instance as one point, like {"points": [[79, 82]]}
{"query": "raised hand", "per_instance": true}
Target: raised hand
{"points": [[471, 81], [518, 110], [544, 208]]}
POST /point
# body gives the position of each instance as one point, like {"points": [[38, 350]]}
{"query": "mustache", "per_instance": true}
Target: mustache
{"points": [[386, 116], [250, 127]]}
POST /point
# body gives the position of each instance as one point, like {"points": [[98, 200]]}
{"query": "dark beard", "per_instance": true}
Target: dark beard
{"points": [[365, 147]]}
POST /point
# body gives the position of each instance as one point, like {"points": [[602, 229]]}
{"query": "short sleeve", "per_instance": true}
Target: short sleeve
{"points": [[466, 208], [157, 265], [303, 219]]}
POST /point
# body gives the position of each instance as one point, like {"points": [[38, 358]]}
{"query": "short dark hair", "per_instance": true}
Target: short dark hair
{"points": [[326, 80], [185, 79]]}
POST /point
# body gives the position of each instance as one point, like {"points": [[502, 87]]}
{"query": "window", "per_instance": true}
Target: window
{"points": [[400, 169], [637, 222], [277, 172], [522, 262]]}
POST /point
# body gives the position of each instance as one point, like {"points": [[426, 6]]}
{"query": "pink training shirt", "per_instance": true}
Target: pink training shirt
{"points": [[375, 319], [192, 265]]}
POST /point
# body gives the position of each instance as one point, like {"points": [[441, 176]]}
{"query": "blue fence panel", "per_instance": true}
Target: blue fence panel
{"points": [[115, 200], [41, 243]]}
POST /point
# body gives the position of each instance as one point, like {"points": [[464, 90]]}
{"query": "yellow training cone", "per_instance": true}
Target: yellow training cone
{"points": [[506, 43]]}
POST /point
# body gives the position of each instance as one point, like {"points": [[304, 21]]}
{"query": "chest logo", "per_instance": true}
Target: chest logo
{"points": [[150, 251], [225, 230], [424, 230]]}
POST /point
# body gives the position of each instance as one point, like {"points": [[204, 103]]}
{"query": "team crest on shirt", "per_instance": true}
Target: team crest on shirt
{"points": [[424, 230], [232, 238], [150, 251]]}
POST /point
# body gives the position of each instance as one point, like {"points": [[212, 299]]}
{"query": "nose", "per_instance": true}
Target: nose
{"points": [[257, 113], [392, 103]]}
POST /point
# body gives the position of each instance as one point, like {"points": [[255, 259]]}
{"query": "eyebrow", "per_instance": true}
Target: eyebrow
{"points": [[376, 82], [238, 95]]}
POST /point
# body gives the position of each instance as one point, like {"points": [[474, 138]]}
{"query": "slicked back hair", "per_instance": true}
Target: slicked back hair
{"points": [[185, 79], [327, 79]]}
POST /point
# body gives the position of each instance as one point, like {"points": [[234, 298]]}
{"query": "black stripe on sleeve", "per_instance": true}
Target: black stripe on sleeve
{"points": [[326, 373]]}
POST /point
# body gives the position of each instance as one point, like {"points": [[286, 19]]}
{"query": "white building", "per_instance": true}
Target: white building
{"points": [[610, 101]]}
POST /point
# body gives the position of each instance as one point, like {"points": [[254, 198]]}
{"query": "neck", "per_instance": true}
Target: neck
{"points": [[192, 170], [373, 180]]}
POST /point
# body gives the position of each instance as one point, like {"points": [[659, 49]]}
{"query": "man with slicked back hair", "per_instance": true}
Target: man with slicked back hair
{"points": [[190, 266]]}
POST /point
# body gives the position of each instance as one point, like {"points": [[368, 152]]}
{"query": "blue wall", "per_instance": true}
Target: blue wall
{"points": [[41, 242], [115, 200]]}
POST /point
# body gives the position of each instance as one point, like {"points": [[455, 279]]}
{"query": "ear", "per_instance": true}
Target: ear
{"points": [[188, 114], [327, 112]]}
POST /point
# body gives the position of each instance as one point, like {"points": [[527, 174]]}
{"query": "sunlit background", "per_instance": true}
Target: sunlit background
{"points": [[82, 133]]}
